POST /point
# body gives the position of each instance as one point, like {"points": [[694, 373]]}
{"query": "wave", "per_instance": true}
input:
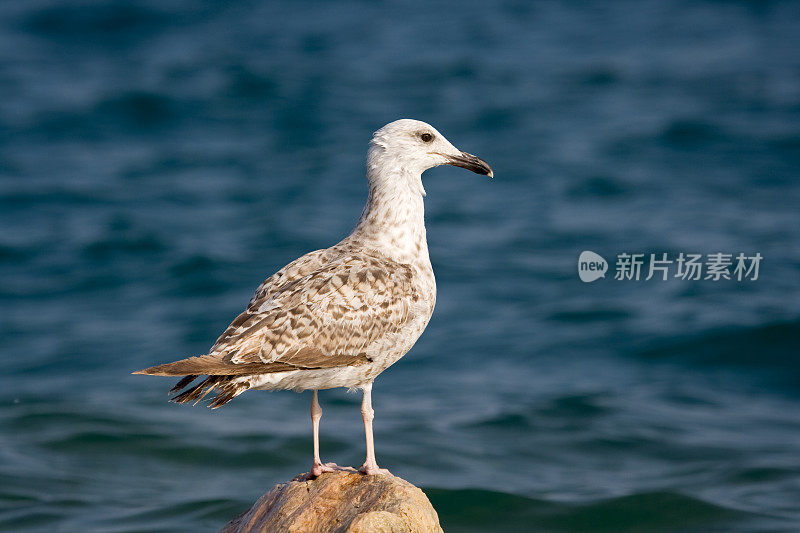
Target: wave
{"points": [[469, 510], [766, 346]]}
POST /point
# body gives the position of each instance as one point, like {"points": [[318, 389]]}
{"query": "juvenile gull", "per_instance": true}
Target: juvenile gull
{"points": [[339, 317]]}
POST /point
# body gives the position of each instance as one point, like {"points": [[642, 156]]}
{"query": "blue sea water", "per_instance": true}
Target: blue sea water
{"points": [[158, 160]]}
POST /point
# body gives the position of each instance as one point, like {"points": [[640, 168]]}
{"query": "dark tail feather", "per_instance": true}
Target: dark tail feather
{"points": [[227, 392], [197, 392], [227, 389], [182, 383]]}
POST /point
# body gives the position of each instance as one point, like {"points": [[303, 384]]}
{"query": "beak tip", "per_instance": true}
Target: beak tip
{"points": [[470, 162]]}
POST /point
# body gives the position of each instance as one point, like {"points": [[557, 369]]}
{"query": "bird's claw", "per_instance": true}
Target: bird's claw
{"points": [[318, 469], [372, 470]]}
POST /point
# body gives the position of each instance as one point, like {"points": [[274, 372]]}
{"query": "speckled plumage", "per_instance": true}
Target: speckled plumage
{"points": [[341, 316], [338, 317]]}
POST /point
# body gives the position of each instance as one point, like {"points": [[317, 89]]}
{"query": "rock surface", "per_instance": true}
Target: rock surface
{"points": [[343, 501]]}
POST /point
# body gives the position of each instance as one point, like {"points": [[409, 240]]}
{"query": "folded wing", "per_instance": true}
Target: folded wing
{"points": [[325, 315]]}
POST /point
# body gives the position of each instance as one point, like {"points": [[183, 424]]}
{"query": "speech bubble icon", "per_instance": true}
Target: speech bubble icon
{"points": [[591, 266]]}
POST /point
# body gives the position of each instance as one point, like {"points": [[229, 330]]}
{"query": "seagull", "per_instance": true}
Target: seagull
{"points": [[338, 317]]}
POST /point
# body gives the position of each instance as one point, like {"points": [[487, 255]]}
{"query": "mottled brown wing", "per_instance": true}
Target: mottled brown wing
{"points": [[326, 318], [297, 269]]}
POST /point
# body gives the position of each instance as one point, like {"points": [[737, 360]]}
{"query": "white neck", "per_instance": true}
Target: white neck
{"points": [[393, 220]]}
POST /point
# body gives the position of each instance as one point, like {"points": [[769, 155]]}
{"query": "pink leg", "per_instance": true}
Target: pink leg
{"points": [[370, 466], [316, 413]]}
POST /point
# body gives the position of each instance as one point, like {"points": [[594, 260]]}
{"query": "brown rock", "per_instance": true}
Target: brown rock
{"points": [[343, 501]]}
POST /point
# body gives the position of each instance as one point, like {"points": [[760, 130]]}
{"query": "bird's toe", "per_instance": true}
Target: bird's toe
{"points": [[372, 470], [318, 469]]}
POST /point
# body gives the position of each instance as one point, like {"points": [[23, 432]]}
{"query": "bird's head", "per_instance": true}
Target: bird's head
{"points": [[412, 146]]}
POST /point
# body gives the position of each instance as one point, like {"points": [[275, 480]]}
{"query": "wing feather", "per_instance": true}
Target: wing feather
{"points": [[325, 311]]}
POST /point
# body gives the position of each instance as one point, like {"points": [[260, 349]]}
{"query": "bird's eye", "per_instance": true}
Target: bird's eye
{"points": [[426, 137]]}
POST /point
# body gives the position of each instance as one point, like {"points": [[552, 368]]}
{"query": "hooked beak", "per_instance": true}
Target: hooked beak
{"points": [[470, 162]]}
